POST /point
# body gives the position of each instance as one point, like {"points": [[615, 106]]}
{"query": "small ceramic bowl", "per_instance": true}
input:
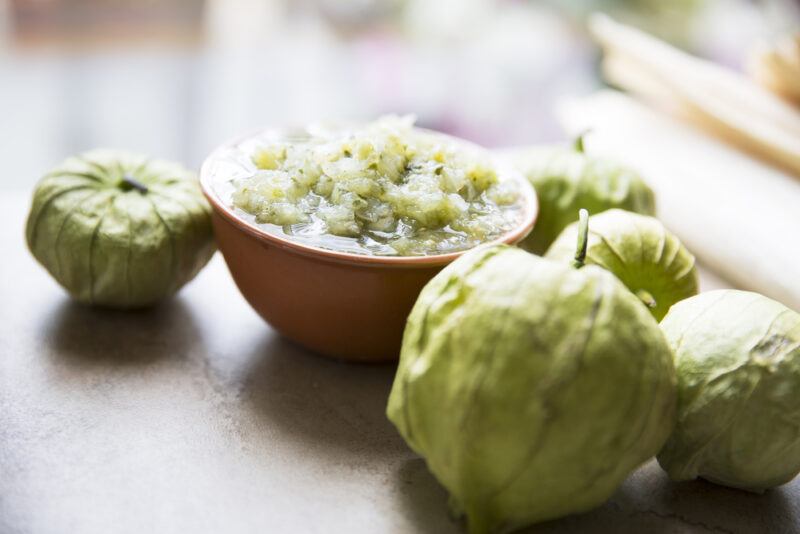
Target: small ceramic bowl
{"points": [[344, 305]]}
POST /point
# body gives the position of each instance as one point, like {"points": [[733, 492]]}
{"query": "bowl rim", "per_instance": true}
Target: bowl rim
{"points": [[513, 236]]}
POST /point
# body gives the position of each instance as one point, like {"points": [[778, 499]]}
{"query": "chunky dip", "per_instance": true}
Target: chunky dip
{"points": [[385, 188]]}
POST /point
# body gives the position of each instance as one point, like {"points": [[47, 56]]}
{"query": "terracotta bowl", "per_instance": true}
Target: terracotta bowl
{"points": [[344, 305]]}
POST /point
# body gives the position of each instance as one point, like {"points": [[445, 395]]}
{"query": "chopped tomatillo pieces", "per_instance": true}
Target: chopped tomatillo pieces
{"points": [[388, 187]]}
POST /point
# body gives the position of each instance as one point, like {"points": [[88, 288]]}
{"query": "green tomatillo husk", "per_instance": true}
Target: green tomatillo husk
{"points": [[567, 179], [737, 355], [649, 259], [120, 230], [532, 389]]}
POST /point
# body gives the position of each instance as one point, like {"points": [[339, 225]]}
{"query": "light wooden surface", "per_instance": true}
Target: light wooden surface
{"points": [[195, 417]]}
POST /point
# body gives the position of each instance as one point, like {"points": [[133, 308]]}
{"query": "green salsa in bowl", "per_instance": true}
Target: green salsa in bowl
{"points": [[383, 188]]}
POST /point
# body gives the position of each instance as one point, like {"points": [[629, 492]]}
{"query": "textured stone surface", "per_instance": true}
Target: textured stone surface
{"points": [[195, 417]]}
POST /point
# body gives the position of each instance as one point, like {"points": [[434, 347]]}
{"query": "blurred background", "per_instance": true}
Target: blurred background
{"points": [[174, 78]]}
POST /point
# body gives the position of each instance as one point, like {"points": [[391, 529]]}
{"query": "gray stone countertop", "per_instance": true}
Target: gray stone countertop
{"points": [[196, 417]]}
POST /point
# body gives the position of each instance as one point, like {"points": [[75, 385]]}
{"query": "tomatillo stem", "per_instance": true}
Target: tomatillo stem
{"points": [[129, 182], [578, 143], [583, 239], [646, 297]]}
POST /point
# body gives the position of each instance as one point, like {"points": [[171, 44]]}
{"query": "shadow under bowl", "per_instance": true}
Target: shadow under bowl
{"points": [[339, 304]]}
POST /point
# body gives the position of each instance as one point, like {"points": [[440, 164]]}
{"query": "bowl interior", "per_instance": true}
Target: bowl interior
{"points": [[232, 161]]}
